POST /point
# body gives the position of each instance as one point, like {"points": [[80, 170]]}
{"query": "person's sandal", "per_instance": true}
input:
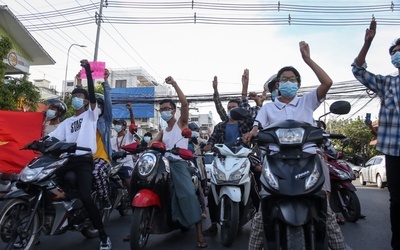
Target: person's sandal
{"points": [[202, 244]]}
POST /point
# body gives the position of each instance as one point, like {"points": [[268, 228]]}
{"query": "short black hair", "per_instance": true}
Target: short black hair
{"points": [[396, 43], [173, 105], [148, 134], [235, 101], [82, 91], [289, 68]]}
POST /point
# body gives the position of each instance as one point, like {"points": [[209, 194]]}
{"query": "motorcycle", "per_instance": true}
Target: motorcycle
{"points": [[231, 181], [150, 186], [343, 198], [118, 193], [43, 201], [294, 207], [7, 183]]}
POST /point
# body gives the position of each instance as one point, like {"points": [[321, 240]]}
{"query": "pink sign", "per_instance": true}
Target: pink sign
{"points": [[97, 68]]}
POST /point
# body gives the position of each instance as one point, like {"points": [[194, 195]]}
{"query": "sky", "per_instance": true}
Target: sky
{"points": [[193, 53]]}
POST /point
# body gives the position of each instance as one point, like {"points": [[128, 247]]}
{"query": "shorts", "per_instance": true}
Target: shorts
{"points": [[125, 172]]}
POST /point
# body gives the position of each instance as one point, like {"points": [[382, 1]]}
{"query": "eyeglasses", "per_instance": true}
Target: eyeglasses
{"points": [[285, 79], [166, 109], [80, 95]]}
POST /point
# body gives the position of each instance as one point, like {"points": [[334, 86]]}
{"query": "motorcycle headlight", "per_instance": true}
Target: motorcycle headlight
{"points": [[146, 164], [270, 177], [342, 174], [313, 178], [219, 175], [290, 135], [33, 174], [237, 175], [166, 162]]}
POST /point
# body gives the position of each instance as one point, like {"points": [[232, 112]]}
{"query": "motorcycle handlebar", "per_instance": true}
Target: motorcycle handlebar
{"points": [[84, 149], [335, 136]]}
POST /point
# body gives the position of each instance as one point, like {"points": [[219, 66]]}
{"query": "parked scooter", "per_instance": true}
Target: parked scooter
{"points": [[231, 182], [294, 208], [343, 198], [150, 186], [43, 201]]}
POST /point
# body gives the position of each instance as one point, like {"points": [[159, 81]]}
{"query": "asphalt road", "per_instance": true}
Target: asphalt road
{"points": [[370, 233]]}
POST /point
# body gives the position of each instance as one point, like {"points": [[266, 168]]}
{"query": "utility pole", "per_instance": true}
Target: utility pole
{"points": [[99, 19]]}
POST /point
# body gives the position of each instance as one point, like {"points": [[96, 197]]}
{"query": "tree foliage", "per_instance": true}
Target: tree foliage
{"points": [[15, 93], [360, 138]]}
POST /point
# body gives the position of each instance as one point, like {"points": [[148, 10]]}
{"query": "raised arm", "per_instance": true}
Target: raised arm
{"points": [[218, 105], [92, 98], [131, 115], [369, 36], [324, 79], [184, 118], [107, 98]]}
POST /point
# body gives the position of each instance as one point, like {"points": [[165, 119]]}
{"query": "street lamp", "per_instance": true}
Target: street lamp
{"points": [[64, 88]]}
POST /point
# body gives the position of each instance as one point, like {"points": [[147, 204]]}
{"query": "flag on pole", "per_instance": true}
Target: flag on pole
{"points": [[16, 130]]}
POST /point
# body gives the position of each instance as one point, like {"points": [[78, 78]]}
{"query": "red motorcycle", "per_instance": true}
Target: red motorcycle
{"points": [[343, 198], [150, 188]]}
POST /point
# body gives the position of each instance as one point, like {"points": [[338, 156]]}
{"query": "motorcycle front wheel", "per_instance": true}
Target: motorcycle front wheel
{"points": [[230, 223], [125, 204], [14, 229], [352, 210], [140, 227], [295, 239]]}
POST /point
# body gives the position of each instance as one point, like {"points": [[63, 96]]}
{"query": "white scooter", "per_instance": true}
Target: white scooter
{"points": [[231, 184]]}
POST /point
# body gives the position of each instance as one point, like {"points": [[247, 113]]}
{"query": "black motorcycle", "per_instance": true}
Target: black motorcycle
{"points": [[117, 192], [43, 201], [295, 206]]}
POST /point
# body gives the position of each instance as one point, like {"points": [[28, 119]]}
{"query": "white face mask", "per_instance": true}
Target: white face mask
{"points": [[146, 139]]}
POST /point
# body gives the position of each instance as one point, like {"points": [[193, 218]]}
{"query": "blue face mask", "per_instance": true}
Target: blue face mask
{"points": [[288, 89], [195, 134], [228, 114], [274, 94], [166, 115], [146, 139], [77, 103], [51, 114], [117, 128], [396, 59]]}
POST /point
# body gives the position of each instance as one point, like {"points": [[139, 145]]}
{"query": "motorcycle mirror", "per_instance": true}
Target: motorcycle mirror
{"points": [[186, 133], [340, 107], [346, 142], [238, 114]]}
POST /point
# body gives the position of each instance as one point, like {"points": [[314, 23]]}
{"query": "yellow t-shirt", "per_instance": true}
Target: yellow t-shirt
{"points": [[101, 152]]}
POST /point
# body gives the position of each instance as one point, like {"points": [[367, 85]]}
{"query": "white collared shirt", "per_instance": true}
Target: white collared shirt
{"points": [[299, 109]]}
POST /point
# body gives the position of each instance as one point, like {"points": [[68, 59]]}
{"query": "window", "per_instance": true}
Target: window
{"points": [[70, 84], [194, 119], [120, 83]]}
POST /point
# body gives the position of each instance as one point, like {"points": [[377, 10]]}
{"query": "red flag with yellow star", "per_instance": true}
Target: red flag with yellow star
{"points": [[16, 130]]}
